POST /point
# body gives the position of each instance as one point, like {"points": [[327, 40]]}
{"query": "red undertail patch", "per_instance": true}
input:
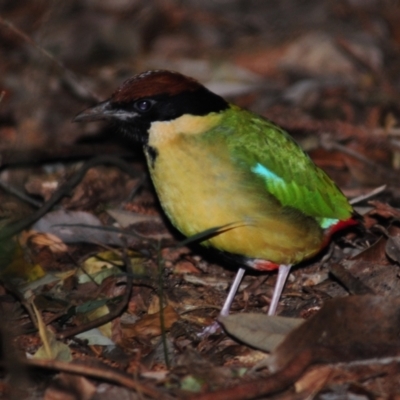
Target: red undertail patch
{"points": [[263, 265], [336, 228]]}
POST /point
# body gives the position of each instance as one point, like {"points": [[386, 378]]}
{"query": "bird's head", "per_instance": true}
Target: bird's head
{"points": [[154, 96]]}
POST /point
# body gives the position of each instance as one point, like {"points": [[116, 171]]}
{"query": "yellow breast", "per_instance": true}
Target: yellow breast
{"points": [[200, 188]]}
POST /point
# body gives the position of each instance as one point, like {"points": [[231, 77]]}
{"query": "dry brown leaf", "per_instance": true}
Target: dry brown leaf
{"points": [[52, 242], [185, 267], [345, 329], [154, 306], [260, 331], [384, 210], [150, 325], [313, 381], [373, 267], [393, 248]]}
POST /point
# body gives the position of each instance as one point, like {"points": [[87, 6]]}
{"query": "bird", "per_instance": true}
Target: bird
{"points": [[214, 164]]}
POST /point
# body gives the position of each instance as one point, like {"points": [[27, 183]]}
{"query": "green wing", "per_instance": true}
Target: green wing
{"points": [[288, 173]]}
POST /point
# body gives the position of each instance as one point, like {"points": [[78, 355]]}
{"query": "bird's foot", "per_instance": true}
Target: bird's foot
{"points": [[209, 330]]}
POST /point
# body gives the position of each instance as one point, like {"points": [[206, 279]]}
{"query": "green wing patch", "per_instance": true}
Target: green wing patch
{"points": [[286, 170]]}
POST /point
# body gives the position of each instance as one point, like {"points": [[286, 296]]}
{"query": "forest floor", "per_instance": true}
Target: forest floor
{"points": [[100, 296]]}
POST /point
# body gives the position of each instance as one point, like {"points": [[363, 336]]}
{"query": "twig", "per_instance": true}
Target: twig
{"points": [[25, 303], [260, 387], [14, 228], [294, 369], [368, 195], [105, 318], [22, 196], [369, 361], [135, 190], [97, 373]]}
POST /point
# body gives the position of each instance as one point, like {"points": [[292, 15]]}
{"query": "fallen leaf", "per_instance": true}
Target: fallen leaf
{"points": [[107, 263], [373, 267], [98, 313], [313, 381], [150, 325], [75, 227], [53, 242], [95, 337], [154, 306], [59, 351], [384, 210], [127, 218], [345, 329], [185, 267], [52, 348], [393, 248], [260, 331], [20, 269], [192, 383]]}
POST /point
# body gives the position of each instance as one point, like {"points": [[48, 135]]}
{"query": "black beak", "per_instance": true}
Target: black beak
{"points": [[104, 111]]}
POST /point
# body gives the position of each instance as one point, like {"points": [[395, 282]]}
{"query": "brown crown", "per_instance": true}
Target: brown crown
{"points": [[153, 83]]}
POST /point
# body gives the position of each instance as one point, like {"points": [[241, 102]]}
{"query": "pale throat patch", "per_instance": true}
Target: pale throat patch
{"points": [[165, 131]]}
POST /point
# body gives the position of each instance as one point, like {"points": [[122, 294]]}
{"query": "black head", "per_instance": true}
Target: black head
{"points": [[154, 96]]}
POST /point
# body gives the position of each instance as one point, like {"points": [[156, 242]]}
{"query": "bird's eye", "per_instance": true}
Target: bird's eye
{"points": [[143, 105]]}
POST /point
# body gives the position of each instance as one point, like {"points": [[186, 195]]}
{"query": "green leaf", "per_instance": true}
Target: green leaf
{"points": [[192, 384], [90, 305]]}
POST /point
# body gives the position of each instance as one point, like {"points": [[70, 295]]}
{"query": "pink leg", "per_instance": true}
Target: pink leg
{"points": [[211, 329], [283, 273], [232, 292]]}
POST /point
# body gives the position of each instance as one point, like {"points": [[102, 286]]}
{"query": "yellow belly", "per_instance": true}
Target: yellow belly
{"points": [[199, 189]]}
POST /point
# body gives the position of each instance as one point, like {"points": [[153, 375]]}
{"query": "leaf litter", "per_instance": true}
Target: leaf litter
{"points": [[327, 80]]}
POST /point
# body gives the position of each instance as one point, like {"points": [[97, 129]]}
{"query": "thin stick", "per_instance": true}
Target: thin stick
{"points": [[20, 195], [14, 228], [105, 318], [98, 373], [368, 195]]}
